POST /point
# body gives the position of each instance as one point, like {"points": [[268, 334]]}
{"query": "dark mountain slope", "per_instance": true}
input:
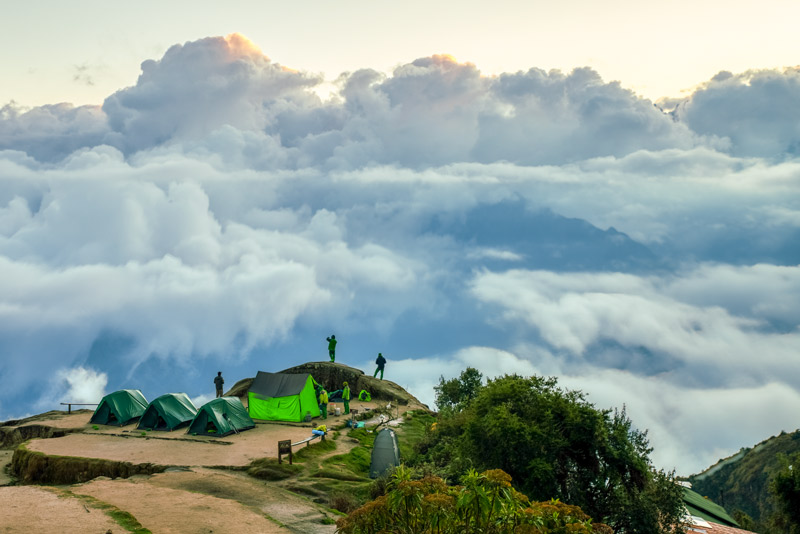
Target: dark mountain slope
{"points": [[742, 481]]}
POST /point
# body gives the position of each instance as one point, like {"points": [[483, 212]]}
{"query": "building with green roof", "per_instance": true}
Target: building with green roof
{"points": [[701, 507]]}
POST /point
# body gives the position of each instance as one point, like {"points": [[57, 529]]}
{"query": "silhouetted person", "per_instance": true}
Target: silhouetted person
{"points": [[331, 347], [218, 381], [381, 361]]}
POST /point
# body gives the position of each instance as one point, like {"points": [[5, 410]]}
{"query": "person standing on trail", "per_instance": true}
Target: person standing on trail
{"points": [[381, 361], [346, 398], [218, 381], [331, 347], [323, 403]]}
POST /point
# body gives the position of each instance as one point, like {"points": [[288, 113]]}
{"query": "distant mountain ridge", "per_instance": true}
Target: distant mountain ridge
{"points": [[544, 239], [741, 482]]}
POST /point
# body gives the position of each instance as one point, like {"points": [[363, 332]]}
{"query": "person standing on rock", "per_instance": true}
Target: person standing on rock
{"points": [[218, 381], [331, 347], [346, 398], [381, 361], [323, 403]]}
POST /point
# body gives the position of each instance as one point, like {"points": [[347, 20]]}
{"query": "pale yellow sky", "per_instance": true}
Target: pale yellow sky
{"points": [[53, 51]]}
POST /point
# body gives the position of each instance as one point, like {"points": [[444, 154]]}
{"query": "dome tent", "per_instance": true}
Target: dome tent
{"points": [[120, 408], [168, 412], [220, 417], [385, 453]]}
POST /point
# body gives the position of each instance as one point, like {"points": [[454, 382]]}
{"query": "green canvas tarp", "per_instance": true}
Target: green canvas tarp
{"points": [[385, 453], [221, 417], [282, 397], [168, 412], [120, 408]]}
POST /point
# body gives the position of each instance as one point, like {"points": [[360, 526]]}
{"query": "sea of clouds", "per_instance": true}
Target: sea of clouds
{"points": [[221, 215]]}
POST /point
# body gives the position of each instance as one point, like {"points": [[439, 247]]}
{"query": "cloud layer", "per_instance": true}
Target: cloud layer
{"points": [[221, 215]]}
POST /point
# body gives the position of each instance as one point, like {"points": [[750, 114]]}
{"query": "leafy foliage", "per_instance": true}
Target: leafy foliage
{"points": [[742, 483], [557, 445], [786, 488], [455, 393], [485, 503]]}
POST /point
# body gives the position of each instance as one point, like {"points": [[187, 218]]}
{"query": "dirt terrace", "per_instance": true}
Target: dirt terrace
{"points": [[127, 444]]}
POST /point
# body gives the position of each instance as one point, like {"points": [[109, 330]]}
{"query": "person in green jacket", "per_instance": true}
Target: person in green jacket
{"points": [[331, 347], [381, 361], [323, 403], [346, 398]]}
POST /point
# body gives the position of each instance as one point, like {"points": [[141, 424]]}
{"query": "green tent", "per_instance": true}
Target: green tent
{"points": [[282, 397], [221, 417], [120, 408], [168, 412], [385, 453]]}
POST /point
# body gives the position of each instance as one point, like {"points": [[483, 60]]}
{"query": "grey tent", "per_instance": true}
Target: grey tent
{"points": [[385, 453], [168, 412]]}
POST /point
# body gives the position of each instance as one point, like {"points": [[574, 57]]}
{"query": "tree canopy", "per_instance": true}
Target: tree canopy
{"points": [[786, 488], [555, 444]]}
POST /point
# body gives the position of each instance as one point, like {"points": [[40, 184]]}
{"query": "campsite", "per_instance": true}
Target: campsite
{"points": [[75, 475]]}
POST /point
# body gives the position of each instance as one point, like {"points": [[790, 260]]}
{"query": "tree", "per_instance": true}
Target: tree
{"points": [[786, 489], [558, 445], [455, 393]]}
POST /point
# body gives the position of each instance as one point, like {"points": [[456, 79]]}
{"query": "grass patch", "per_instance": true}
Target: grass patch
{"points": [[412, 430], [270, 469], [330, 486], [314, 450], [337, 474], [356, 461], [303, 490], [365, 439], [121, 517]]}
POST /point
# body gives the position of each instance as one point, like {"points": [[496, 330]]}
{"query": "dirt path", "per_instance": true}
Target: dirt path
{"points": [[166, 510], [28, 509], [295, 512]]}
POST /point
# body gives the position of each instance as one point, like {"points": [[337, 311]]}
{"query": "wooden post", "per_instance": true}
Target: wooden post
{"points": [[285, 447]]}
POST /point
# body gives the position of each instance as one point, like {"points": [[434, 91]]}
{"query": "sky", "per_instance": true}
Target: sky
{"points": [[605, 195]]}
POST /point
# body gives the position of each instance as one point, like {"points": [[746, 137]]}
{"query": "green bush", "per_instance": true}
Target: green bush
{"points": [[343, 501], [485, 503]]}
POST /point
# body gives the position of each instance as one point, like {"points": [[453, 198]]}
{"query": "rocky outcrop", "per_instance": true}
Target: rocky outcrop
{"points": [[333, 375], [17, 431], [10, 437]]}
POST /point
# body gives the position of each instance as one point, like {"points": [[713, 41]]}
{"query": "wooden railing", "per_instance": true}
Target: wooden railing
{"points": [[69, 405]]}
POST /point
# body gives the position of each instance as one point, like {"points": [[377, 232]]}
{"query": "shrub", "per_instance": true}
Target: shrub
{"points": [[342, 501]]}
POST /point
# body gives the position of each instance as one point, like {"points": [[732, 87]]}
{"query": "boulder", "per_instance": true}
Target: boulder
{"points": [[332, 375]]}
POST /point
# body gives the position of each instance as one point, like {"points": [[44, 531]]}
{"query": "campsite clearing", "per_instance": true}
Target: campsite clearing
{"points": [[210, 483], [126, 444]]}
